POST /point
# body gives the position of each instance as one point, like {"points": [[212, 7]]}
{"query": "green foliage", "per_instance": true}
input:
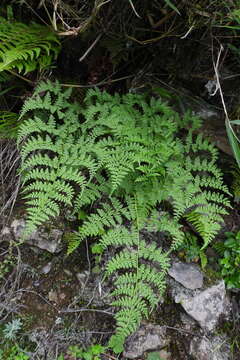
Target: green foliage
{"points": [[8, 124], [10, 330], [52, 156], [236, 183], [233, 139], [13, 353], [171, 5], [92, 353], [139, 282], [10, 349], [154, 355], [7, 263], [229, 263], [191, 250], [118, 160], [26, 47]]}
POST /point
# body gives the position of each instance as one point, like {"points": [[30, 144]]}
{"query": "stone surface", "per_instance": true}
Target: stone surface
{"points": [[50, 241], [44, 238], [16, 228], [188, 275], [46, 268], [216, 348], [207, 306], [148, 337]]}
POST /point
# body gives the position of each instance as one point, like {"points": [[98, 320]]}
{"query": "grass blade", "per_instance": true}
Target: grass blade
{"points": [[233, 142], [172, 6]]}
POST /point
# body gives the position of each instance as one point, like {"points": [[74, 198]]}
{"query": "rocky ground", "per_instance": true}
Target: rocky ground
{"points": [[62, 301]]}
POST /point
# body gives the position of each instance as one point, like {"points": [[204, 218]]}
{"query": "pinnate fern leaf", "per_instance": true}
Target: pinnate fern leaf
{"points": [[26, 47]]}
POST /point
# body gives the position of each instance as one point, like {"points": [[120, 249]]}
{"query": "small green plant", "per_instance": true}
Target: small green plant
{"points": [[154, 356], [7, 261], [236, 184], [91, 353], [230, 259], [191, 250], [11, 329], [13, 352], [11, 348]]}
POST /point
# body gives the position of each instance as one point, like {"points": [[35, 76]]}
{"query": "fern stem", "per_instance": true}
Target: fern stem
{"points": [[138, 244], [22, 77], [104, 82]]}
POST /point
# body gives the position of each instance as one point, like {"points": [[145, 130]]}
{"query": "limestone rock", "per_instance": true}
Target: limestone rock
{"points": [[207, 306], [188, 275], [50, 241], [148, 337], [45, 239], [46, 268], [204, 349]]}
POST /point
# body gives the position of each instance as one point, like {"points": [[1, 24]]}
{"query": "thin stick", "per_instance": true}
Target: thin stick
{"points": [[86, 310], [187, 33], [134, 10], [22, 77], [98, 84], [218, 87], [90, 48], [184, 331]]}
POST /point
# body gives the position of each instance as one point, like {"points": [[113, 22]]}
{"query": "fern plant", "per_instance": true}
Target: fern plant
{"points": [[26, 47], [54, 155], [120, 159]]}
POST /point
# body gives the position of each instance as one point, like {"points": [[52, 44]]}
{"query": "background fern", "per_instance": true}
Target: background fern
{"points": [[26, 47]]}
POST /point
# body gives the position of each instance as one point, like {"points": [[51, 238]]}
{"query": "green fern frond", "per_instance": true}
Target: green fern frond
{"points": [[205, 226], [48, 102], [26, 47], [109, 215], [138, 282], [92, 193], [52, 159]]}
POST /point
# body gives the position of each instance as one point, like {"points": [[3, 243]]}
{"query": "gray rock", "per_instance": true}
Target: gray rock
{"points": [[50, 241], [207, 306], [188, 275], [148, 337], [43, 238], [215, 349], [46, 268], [16, 228]]}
